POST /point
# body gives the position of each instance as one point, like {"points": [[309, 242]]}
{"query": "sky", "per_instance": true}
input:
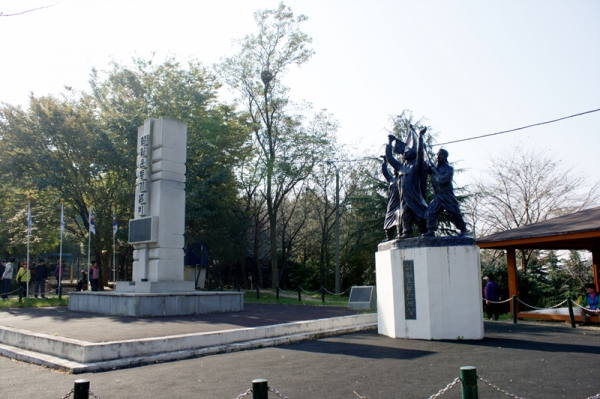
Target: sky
{"points": [[469, 67]]}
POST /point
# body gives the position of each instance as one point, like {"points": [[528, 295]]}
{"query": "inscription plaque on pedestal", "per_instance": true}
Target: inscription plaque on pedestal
{"points": [[410, 302]]}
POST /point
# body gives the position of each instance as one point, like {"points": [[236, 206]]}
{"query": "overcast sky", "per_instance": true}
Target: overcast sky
{"points": [[470, 68]]}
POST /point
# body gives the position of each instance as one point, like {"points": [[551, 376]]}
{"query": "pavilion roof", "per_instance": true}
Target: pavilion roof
{"points": [[579, 230]]}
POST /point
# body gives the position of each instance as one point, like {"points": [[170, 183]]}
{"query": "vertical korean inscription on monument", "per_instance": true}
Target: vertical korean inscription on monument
{"points": [[143, 175], [410, 303]]}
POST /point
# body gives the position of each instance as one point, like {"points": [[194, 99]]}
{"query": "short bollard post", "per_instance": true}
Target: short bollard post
{"points": [[20, 294], [468, 376], [81, 389], [59, 292], [277, 292], [257, 292], [322, 294], [260, 389], [299, 293], [514, 308], [571, 315], [239, 288]]}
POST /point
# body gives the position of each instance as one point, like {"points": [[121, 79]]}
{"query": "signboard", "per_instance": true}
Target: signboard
{"points": [[143, 230], [362, 298]]}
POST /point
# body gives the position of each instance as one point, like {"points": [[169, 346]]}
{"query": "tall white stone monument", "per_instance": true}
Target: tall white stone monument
{"points": [[156, 232], [429, 288]]}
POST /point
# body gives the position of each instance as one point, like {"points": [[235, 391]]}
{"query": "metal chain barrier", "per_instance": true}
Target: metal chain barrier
{"points": [[331, 293], [595, 397], [533, 307], [248, 392], [445, 389], [68, 393], [587, 309], [277, 393], [507, 300], [309, 292], [486, 382], [93, 395]]}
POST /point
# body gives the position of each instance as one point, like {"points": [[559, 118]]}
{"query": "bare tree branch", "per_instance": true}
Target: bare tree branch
{"points": [[2, 14]]}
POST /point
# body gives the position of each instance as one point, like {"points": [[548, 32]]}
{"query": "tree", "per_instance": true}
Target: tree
{"points": [[82, 148], [288, 142], [524, 187]]}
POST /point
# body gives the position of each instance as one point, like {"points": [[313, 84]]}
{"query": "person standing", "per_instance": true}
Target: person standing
{"points": [[58, 270], [7, 278], [491, 293], [24, 277], [589, 303], [39, 279], [94, 276]]}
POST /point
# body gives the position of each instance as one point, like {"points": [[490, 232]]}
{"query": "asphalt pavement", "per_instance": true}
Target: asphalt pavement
{"points": [[530, 360]]}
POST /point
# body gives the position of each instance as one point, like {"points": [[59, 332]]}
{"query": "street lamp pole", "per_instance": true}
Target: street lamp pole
{"points": [[337, 227]]}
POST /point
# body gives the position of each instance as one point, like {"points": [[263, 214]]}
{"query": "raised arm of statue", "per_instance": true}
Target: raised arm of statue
{"points": [[385, 171], [420, 148], [398, 167]]}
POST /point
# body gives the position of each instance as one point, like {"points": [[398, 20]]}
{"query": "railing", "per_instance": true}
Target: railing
{"points": [[514, 300]]}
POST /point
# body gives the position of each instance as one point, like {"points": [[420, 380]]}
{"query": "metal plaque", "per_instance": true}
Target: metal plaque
{"points": [[410, 303]]}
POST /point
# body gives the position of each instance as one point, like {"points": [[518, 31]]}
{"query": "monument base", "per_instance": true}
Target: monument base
{"points": [[156, 304], [155, 287], [429, 288]]}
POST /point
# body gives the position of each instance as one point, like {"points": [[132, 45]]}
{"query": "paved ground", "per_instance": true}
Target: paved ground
{"points": [[97, 328], [531, 360]]}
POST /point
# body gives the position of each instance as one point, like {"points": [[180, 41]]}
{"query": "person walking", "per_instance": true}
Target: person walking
{"points": [[24, 277], [589, 305], [491, 294], [39, 279], [7, 278]]}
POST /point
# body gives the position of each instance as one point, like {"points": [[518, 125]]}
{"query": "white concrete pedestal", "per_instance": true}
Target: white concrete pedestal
{"points": [[428, 290]]}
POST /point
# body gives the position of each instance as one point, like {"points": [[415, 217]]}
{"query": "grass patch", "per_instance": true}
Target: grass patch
{"points": [[310, 300], [34, 303]]}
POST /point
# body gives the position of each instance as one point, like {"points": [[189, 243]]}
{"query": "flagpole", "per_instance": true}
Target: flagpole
{"points": [[29, 223], [114, 211], [62, 227], [89, 245]]}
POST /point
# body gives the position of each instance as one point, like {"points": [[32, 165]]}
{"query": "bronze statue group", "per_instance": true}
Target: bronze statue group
{"points": [[407, 186]]}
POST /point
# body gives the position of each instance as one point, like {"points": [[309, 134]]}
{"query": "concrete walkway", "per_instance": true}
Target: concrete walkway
{"points": [[531, 360]]}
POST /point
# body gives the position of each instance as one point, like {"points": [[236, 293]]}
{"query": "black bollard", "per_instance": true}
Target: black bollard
{"points": [[257, 292], [81, 389], [20, 294], [468, 376], [571, 315], [260, 389], [514, 309], [277, 292], [322, 294], [239, 288], [299, 294], [59, 292]]}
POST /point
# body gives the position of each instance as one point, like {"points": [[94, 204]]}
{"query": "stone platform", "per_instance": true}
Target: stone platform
{"points": [[82, 342], [156, 304]]}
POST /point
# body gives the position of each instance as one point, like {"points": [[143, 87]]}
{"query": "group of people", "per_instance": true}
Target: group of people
{"points": [[26, 275], [407, 187]]}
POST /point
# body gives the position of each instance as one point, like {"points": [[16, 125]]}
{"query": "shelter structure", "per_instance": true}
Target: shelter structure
{"points": [[577, 231]]}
